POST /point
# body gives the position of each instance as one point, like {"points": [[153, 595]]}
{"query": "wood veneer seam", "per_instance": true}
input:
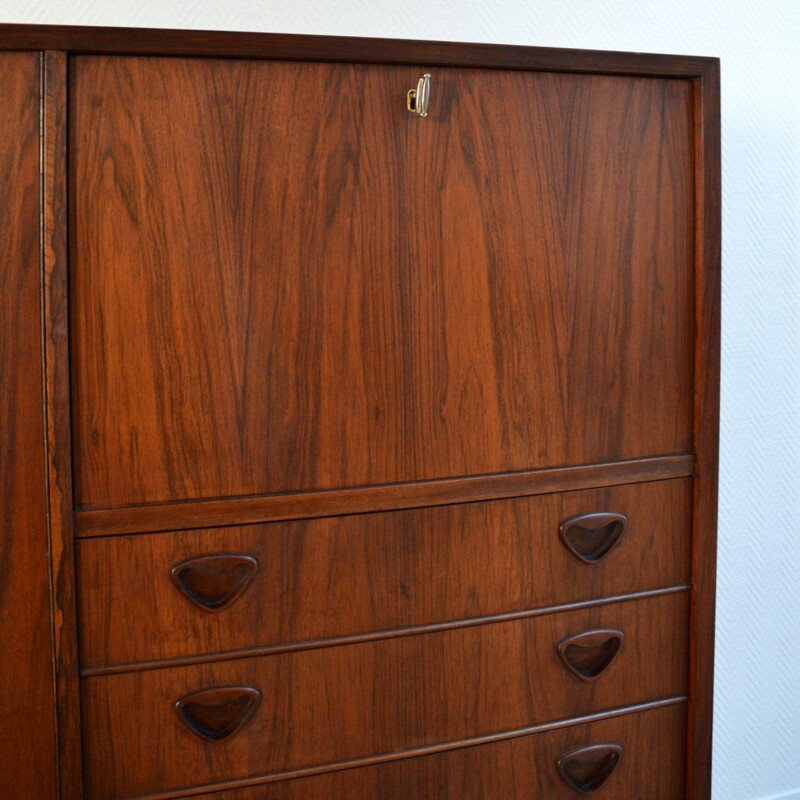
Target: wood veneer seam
{"points": [[392, 633], [416, 752]]}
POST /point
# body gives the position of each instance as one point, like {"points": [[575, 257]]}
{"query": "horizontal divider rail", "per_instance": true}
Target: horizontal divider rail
{"points": [[220, 512]]}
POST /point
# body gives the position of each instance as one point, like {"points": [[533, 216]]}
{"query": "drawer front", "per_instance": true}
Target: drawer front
{"points": [[273, 290], [315, 579], [329, 705], [650, 767]]}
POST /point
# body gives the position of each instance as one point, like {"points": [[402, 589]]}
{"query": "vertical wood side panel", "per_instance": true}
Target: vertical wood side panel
{"points": [[27, 700], [58, 441], [706, 431]]}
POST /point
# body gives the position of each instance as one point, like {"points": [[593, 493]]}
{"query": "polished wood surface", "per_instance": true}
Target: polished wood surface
{"points": [[651, 768], [306, 505], [443, 319], [371, 572], [58, 445], [333, 704], [285, 312], [27, 703]]}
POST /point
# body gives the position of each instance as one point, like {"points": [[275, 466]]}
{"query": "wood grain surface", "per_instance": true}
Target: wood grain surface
{"points": [[58, 444], [333, 704], [388, 305], [27, 700], [651, 768], [371, 572], [281, 298], [189, 514]]}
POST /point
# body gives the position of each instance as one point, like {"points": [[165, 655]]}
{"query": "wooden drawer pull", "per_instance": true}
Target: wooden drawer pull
{"points": [[588, 768], [589, 654], [591, 537], [214, 582], [215, 714]]}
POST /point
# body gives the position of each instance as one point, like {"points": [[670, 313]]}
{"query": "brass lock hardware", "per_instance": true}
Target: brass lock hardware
{"points": [[417, 99]]}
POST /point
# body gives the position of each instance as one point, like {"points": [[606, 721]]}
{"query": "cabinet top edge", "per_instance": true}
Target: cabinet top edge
{"points": [[90, 40]]}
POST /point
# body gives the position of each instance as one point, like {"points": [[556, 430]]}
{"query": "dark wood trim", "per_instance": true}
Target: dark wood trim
{"points": [[357, 638], [384, 758], [222, 44], [53, 227], [304, 505], [706, 428]]}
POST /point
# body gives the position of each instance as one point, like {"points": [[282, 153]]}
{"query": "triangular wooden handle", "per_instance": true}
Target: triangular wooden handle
{"points": [[588, 768], [589, 654], [214, 582], [217, 713], [591, 537]]}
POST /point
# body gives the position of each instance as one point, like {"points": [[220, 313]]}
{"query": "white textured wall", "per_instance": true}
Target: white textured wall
{"points": [[757, 736]]}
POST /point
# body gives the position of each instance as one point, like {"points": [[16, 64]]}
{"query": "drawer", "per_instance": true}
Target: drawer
{"points": [[650, 767], [352, 575], [277, 713]]}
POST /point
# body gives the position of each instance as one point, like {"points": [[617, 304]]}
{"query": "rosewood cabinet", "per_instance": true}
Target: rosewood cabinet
{"points": [[358, 442]]}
